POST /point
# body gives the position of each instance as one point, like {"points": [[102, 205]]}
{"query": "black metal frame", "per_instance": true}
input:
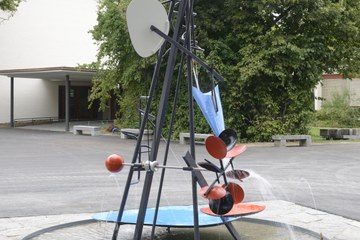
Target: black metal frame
{"points": [[184, 13]]}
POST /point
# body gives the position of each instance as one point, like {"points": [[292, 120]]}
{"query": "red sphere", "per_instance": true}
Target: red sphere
{"points": [[114, 163]]}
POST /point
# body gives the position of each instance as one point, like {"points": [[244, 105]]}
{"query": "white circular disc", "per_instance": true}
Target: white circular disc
{"points": [[140, 15]]}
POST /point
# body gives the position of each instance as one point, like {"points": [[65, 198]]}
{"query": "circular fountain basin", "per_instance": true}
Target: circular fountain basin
{"points": [[248, 228]]}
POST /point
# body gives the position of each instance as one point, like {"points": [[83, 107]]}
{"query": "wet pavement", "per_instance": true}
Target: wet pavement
{"points": [[52, 177]]}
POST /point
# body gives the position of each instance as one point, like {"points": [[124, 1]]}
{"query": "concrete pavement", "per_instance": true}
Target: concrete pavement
{"points": [[330, 226], [53, 177]]}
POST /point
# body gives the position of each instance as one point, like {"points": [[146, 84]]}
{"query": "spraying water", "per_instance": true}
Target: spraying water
{"points": [[266, 190]]}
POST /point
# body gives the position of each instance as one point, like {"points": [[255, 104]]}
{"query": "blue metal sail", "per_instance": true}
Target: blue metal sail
{"points": [[210, 105]]}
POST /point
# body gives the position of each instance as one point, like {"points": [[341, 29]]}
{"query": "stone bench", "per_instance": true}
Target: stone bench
{"points": [[199, 137], [133, 133], [280, 140], [351, 136], [339, 133], [84, 129]]}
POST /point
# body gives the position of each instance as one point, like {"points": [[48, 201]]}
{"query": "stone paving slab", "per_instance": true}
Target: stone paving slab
{"points": [[330, 226], [19, 227]]}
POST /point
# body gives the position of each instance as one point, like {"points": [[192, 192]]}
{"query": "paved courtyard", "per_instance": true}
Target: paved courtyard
{"points": [[48, 173]]}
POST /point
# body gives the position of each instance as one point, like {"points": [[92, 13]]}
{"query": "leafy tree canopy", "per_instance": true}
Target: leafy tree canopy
{"points": [[8, 6], [271, 52], [122, 73]]}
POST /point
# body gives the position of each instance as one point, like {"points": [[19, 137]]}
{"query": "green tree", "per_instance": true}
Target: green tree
{"points": [[337, 112], [9, 7], [126, 76], [121, 72], [271, 52]]}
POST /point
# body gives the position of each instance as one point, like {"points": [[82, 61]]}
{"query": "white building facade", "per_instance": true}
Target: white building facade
{"points": [[335, 83], [44, 34]]}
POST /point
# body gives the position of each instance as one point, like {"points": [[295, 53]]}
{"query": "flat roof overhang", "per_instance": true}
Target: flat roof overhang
{"points": [[51, 73], [65, 74]]}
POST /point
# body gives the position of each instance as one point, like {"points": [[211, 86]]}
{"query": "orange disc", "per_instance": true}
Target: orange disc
{"points": [[240, 209], [236, 191], [114, 163], [215, 147], [216, 192], [236, 151]]}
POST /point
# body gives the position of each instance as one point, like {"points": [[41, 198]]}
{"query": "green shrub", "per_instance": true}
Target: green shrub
{"points": [[337, 112]]}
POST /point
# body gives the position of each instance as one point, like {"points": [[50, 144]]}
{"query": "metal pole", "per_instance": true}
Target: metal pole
{"points": [[202, 182], [189, 26], [67, 103], [138, 144], [159, 122], [177, 92], [187, 52], [12, 121]]}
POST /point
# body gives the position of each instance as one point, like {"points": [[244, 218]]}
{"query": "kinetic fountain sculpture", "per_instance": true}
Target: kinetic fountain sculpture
{"points": [[149, 25]]}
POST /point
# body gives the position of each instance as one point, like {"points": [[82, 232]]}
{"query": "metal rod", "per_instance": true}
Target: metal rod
{"points": [[67, 103], [182, 168], [159, 123], [191, 163], [177, 93], [220, 175], [202, 182], [232, 230], [142, 165], [224, 175], [188, 43], [193, 56], [12, 121], [170, 15], [138, 144]]}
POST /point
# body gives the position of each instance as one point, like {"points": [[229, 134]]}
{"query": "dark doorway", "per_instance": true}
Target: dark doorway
{"points": [[78, 104]]}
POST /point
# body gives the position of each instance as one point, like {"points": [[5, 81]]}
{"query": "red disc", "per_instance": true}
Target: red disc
{"points": [[240, 209], [114, 163], [236, 151], [236, 191], [215, 147], [216, 192]]}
